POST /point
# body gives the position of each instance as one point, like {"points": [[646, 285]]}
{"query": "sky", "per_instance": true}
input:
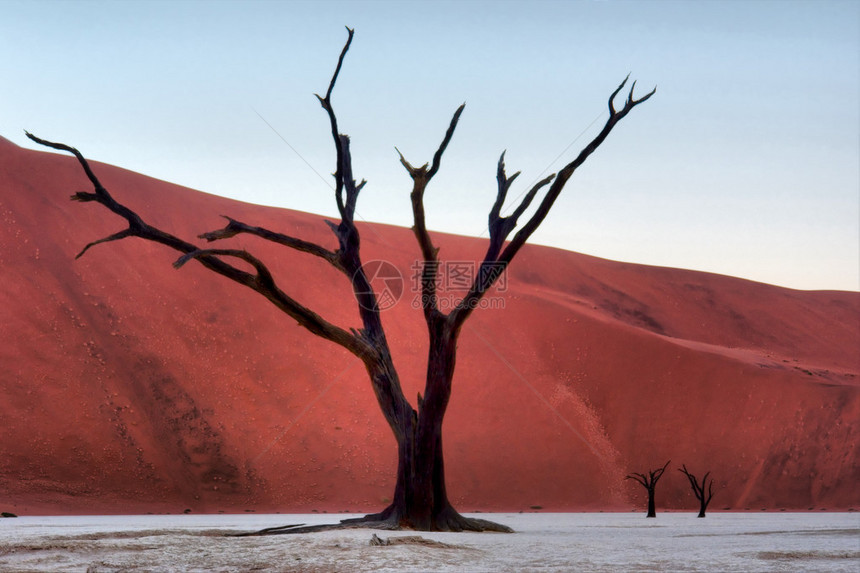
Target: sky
{"points": [[745, 163]]}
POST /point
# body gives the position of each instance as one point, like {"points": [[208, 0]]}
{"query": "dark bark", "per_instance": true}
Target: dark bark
{"points": [[703, 496], [420, 498], [649, 482]]}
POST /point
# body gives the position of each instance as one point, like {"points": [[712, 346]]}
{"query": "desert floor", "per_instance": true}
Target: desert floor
{"points": [[762, 541]]}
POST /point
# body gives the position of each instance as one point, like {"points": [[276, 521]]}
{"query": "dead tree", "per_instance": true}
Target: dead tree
{"points": [[649, 482], [420, 500], [699, 489]]}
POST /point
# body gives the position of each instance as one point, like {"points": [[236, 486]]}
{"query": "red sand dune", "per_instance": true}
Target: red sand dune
{"points": [[129, 386]]}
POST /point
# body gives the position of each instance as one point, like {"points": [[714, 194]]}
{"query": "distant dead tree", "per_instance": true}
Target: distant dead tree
{"points": [[699, 489], [420, 499], [649, 482]]}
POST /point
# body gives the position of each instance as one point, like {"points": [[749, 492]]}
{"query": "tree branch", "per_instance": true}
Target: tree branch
{"points": [[351, 188], [347, 258], [262, 282], [264, 276], [115, 237], [235, 227], [437, 157], [421, 176], [326, 104], [657, 474], [504, 183], [558, 185], [101, 195], [649, 481], [496, 260], [99, 188], [351, 32], [386, 385], [694, 482], [491, 268]]}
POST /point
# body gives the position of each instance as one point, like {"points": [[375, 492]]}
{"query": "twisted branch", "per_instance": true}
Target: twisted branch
{"points": [[496, 259], [235, 227], [325, 102], [262, 282], [561, 179], [264, 276], [649, 482], [421, 176]]}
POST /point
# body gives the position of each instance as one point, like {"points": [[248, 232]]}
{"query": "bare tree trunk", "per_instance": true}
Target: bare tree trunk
{"points": [[652, 506], [420, 498]]}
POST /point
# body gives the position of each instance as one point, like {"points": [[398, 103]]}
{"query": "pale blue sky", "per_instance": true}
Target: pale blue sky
{"points": [[746, 162]]}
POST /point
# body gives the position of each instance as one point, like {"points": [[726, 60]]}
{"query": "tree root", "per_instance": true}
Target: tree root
{"points": [[448, 521]]}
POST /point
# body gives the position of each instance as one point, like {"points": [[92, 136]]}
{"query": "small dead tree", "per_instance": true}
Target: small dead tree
{"points": [[699, 489], [649, 482], [420, 499]]}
